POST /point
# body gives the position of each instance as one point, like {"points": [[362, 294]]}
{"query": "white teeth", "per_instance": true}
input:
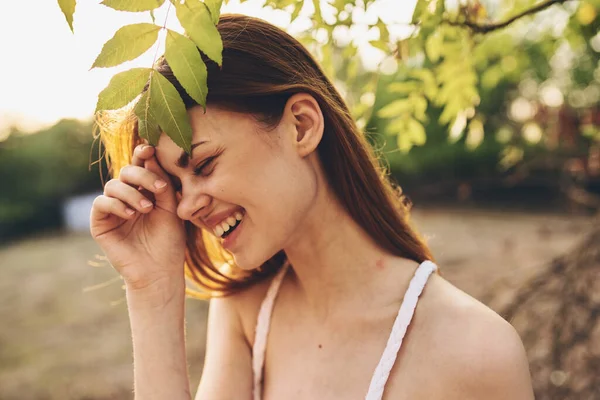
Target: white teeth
{"points": [[225, 226]]}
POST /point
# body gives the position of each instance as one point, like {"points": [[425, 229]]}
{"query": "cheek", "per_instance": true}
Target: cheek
{"points": [[277, 201], [288, 193], [273, 184]]}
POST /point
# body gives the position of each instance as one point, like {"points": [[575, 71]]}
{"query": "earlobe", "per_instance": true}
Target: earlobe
{"points": [[308, 120]]}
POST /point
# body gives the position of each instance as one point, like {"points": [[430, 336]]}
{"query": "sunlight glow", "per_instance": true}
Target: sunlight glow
{"points": [[45, 71]]}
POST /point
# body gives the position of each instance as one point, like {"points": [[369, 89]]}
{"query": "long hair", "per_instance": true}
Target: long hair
{"points": [[262, 68]]}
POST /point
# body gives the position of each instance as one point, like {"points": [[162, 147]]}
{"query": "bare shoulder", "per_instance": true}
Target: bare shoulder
{"points": [[478, 354], [227, 371]]}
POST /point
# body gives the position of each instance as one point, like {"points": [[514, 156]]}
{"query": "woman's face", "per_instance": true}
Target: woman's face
{"points": [[238, 168]]}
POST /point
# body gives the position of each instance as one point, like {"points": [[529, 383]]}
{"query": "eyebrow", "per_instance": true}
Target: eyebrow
{"points": [[184, 159]]}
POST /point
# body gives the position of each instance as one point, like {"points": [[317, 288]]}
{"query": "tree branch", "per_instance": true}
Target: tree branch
{"points": [[488, 27]]}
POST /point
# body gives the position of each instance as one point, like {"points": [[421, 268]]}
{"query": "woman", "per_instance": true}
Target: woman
{"points": [[283, 200]]}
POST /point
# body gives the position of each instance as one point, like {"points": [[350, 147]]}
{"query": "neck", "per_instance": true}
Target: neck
{"points": [[338, 269]]}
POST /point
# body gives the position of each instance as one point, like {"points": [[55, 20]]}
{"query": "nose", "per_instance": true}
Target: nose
{"points": [[190, 202]]}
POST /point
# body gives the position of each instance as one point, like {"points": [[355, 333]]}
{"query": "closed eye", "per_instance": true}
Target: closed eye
{"points": [[198, 171], [201, 169]]}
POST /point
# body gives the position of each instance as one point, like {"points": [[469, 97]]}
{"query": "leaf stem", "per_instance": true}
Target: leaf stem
{"points": [[163, 27], [167, 15], [147, 105]]}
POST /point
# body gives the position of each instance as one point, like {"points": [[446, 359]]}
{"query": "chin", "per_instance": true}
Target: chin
{"points": [[247, 263], [253, 247], [250, 262], [245, 266]]}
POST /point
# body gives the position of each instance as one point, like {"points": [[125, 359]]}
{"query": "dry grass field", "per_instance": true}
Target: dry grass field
{"points": [[64, 332]]}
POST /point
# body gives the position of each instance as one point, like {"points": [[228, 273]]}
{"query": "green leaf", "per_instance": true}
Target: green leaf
{"points": [[318, 16], [133, 5], [68, 9], [419, 104], [450, 112], [457, 87], [475, 134], [184, 59], [169, 111], [128, 43], [405, 87], [420, 7], [430, 85], [396, 126], [349, 52], [384, 34], [404, 142], [147, 126], [297, 8], [449, 70], [214, 7], [433, 46], [379, 44], [195, 18], [395, 108], [123, 88], [416, 131], [409, 132], [339, 5]]}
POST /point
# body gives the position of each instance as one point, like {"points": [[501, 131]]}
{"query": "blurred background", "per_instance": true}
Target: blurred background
{"points": [[502, 164]]}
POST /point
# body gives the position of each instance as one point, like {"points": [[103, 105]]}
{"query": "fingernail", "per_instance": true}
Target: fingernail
{"points": [[159, 184], [129, 211], [145, 203]]}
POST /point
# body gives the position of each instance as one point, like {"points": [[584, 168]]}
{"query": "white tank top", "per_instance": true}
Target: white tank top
{"points": [[382, 372]]}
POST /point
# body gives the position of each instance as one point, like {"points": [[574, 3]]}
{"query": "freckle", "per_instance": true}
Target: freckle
{"points": [[379, 264], [320, 346]]}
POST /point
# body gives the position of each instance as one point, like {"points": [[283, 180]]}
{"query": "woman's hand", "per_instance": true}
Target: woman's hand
{"points": [[136, 224]]}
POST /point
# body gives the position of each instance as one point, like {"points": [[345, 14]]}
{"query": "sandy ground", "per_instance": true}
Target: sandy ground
{"points": [[64, 332]]}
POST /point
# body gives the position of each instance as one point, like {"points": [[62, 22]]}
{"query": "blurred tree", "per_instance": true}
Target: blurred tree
{"points": [[436, 68], [469, 91], [39, 171]]}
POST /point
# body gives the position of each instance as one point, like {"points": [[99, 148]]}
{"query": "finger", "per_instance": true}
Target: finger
{"points": [[128, 195], [141, 153], [140, 177], [165, 198], [104, 206]]}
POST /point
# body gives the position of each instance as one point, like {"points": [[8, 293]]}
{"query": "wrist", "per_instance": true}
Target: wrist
{"points": [[156, 292]]}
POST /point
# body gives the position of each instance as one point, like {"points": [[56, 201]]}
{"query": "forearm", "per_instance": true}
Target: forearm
{"points": [[157, 317]]}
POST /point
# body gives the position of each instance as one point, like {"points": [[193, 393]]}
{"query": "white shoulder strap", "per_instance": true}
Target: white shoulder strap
{"points": [[405, 314], [262, 330]]}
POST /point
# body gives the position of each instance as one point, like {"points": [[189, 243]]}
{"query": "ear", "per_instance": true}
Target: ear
{"points": [[305, 115]]}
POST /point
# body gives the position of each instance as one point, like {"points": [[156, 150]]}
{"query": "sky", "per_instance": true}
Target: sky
{"points": [[45, 69]]}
